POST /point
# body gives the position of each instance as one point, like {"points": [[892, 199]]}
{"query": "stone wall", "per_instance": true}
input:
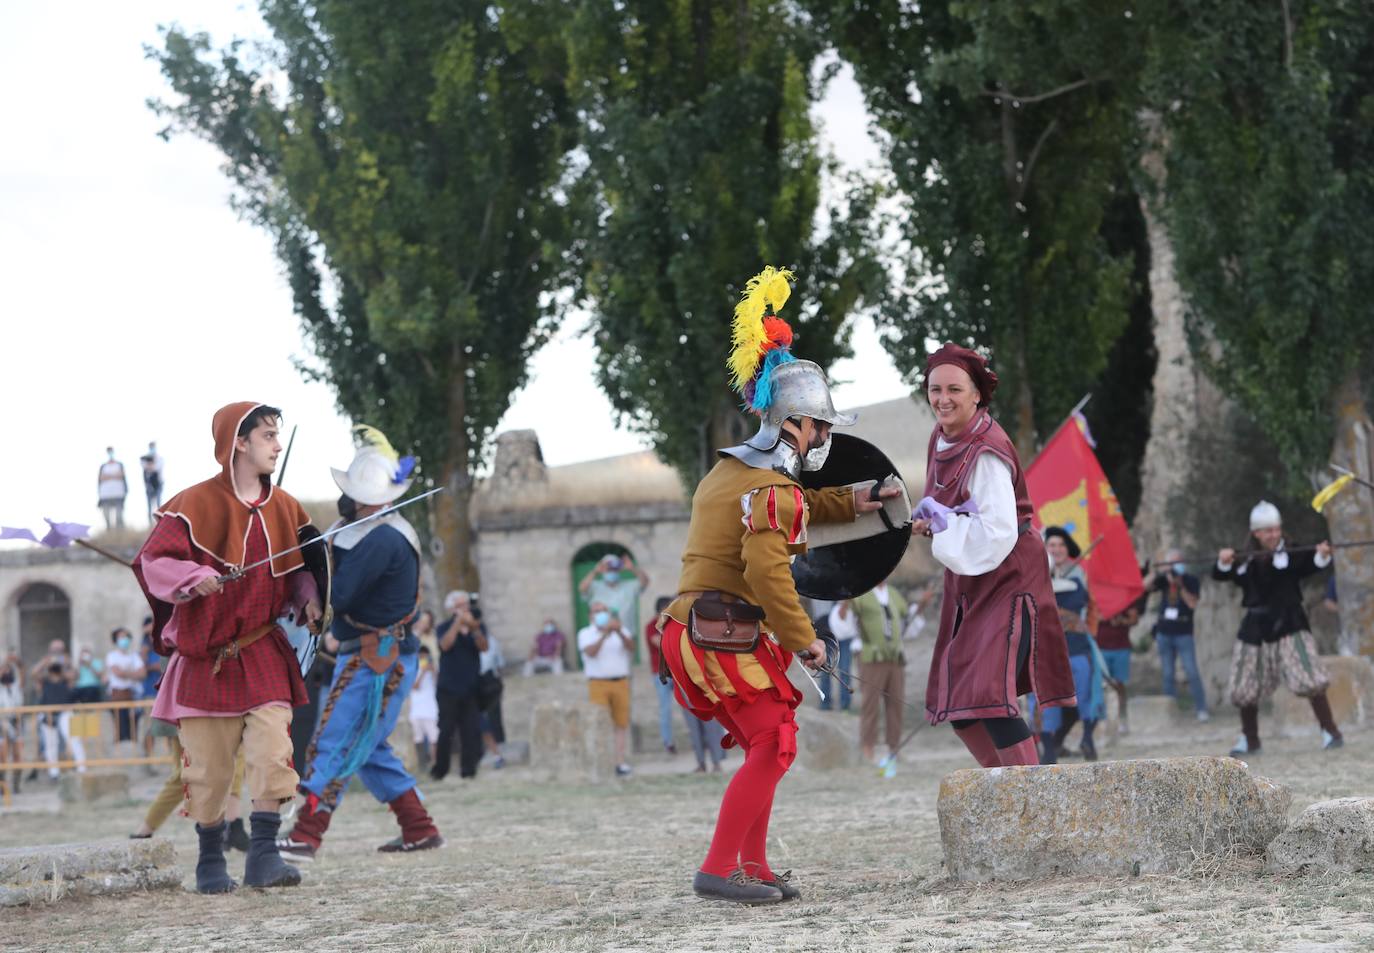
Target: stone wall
{"points": [[525, 560], [102, 595]]}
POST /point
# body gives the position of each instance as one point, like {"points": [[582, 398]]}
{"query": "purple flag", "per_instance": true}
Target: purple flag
{"points": [[939, 514], [62, 534], [14, 532]]}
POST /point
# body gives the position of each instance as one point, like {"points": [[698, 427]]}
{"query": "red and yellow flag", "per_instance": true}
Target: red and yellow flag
{"points": [[1068, 488]]}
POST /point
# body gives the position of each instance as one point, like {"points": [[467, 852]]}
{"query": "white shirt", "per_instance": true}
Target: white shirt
{"points": [[129, 660], [424, 704], [611, 661], [112, 485], [845, 628], [977, 544]]}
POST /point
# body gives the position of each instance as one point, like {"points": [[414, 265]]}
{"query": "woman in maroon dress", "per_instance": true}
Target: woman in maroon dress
{"points": [[1000, 635]]}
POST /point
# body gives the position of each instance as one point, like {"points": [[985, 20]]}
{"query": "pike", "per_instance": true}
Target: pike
{"points": [[239, 573]]}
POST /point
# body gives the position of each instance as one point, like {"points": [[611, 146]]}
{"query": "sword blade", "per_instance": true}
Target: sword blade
{"points": [[239, 573]]}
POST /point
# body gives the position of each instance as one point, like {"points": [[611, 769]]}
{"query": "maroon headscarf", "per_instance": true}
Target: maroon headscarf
{"points": [[972, 362]]}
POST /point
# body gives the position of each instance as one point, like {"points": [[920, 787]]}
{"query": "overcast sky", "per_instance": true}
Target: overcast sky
{"points": [[136, 303]]}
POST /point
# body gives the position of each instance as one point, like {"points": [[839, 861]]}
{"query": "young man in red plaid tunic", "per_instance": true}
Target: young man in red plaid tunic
{"points": [[233, 678]]}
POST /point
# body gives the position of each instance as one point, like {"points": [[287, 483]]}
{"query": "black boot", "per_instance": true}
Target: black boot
{"points": [[1049, 748], [235, 837], [264, 867], [1088, 748], [212, 873]]}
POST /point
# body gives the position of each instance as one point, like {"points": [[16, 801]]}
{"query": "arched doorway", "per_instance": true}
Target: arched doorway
{"points": [[583, 562], [45, 614]]}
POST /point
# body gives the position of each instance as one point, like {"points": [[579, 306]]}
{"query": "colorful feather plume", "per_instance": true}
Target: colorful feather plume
{"points": [[760, 341], [365, 435]]}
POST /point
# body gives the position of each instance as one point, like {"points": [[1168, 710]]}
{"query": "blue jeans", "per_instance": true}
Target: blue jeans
{"points": [[348, 727], [666, 704], [705, 737], [1181, 647], [846, 656], [1085, 684]]}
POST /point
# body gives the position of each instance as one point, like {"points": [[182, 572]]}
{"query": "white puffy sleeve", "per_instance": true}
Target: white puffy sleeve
{"points": [[977, 544]]}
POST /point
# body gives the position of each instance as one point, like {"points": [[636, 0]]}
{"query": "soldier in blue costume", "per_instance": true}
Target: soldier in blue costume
{"points": [[375, 595]]}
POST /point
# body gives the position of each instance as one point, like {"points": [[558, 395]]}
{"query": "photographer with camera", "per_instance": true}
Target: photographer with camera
{"points": [[462, 640], [1173, 628], [55, 678]]}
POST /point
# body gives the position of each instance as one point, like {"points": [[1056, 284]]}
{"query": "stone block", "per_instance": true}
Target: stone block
{"points": [[91, 786], [50, 873], [827, 741], [572, 742], [1328, 837], [1113, 819], [1351, 695]]}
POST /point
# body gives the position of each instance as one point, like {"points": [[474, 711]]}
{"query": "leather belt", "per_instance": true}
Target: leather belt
{"points": [[235, 646], [710, 595]]}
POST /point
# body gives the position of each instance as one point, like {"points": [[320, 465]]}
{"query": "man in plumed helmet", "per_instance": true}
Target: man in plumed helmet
{"points": [[376, 592], [730, 635]]}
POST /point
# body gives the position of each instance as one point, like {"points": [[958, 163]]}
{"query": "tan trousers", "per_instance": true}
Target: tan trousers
{"points": [[211, 747], [882, 682], [173, 792]]}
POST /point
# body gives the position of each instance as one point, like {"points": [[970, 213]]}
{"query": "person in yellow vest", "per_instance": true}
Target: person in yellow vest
{"points": [[882, 667]]}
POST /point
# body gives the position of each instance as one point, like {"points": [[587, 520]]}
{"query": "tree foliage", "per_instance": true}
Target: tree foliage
{"points": [[702, 166], [1005, 127], [405, 157], [1270, 123]]}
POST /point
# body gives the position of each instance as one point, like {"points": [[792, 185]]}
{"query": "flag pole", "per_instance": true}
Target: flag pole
{"points": [[1076, 408]]}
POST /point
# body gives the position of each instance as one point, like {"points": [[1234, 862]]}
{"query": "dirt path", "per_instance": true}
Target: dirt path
{"points": [[545, 868]]}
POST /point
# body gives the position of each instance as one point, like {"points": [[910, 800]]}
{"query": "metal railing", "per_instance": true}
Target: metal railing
{"points": [[98, 740]]}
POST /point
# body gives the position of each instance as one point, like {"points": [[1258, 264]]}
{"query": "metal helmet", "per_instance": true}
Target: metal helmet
{"points": [[799, 390]]}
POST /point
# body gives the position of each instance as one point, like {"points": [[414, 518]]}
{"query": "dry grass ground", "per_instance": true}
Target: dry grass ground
{"points": [[564, 868]]}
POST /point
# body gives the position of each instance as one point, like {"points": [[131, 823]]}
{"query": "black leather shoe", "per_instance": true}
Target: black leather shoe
{"points": [[736, 888], [783, 882]]}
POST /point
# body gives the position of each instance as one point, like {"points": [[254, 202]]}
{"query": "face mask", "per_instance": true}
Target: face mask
{"points": [[123, 642], [601, 619], [348, 508], [549, 629], [1179, 568], [815, 458], [610, 576]]}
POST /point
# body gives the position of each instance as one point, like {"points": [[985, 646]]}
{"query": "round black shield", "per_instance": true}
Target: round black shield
{"points": [[849, 569]]}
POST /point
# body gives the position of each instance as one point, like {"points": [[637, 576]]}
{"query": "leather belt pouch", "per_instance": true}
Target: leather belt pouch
{"points": [[725, 626]]}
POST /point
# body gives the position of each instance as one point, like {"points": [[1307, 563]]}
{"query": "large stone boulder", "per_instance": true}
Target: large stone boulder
{"points": [[48, 874], [1330, 836], [1118, 818], [572, 742], [1351, 695]]}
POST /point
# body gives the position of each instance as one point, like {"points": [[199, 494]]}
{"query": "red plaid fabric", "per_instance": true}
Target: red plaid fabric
{"points": [[265, 671]]}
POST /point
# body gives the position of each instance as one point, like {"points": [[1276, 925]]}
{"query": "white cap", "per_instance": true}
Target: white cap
{"points": [[1264, 516], [371, 478]]}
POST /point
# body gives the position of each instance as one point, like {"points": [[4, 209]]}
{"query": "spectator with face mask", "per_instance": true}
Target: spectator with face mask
{"points": [[124, 671], [547, 653], [617, 583], [607, 649], [1173, 628]]}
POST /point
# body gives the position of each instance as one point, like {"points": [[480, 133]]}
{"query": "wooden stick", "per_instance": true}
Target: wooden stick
{"points": [[104, 552], [89, 763]]}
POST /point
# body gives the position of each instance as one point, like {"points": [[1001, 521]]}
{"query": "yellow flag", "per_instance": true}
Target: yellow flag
{"points": [[1324, 496]]}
